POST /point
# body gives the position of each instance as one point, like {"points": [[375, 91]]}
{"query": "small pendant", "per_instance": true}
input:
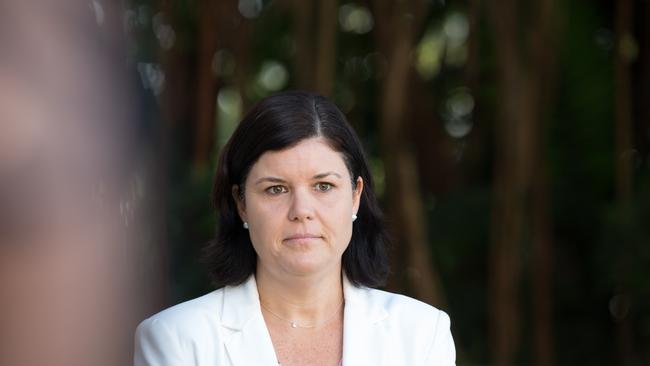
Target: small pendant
{"points": [[294, 325]]}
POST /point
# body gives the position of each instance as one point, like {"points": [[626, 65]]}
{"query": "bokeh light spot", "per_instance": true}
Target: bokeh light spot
{"points": [[229, 110], [355, 18], [152, 77], [250, 9], [164, 32], [456, 29], [273, 76], [428, 54], [458, 113]]}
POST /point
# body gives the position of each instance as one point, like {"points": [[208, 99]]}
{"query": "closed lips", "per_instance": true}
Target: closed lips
{"points": [[303, 236]]}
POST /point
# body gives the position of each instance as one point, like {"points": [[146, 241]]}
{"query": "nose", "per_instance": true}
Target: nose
{"points": [[301, 206]]}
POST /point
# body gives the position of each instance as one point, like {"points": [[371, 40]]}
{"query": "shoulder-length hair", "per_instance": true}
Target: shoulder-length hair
{"points": [[275, 123]]}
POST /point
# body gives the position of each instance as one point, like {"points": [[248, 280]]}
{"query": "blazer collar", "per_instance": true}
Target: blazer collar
{"points": [[248, 341], [240, 304], [246, 338], [363, 340], [358, 299]]}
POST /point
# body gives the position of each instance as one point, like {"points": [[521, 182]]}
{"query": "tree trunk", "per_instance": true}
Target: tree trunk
{"points": [[396, 38], [242, 52], [437, 165], [624, 152], [509, 191], [476, 141], [326, 58], [206, 85], [520, 180], [303, 18], [623, 101], [544, 48], [643, 86]]}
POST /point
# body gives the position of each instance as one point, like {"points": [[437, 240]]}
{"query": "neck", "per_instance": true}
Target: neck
{"points": [[305, 300]]}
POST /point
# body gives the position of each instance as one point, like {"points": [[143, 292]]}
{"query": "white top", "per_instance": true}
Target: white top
{"points": [[226, 328]]}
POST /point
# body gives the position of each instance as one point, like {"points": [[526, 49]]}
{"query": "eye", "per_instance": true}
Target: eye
{"points": [[323, 186], [275, 190]]}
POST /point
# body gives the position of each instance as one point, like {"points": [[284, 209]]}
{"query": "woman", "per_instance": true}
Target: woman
{"points": [[300, 245]]}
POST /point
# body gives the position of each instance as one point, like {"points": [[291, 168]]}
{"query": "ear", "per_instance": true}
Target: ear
{"points": [[356, 195], [239, 201]]}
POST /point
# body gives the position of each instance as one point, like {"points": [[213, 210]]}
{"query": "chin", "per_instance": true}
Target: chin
{"points": [[306, 266]]}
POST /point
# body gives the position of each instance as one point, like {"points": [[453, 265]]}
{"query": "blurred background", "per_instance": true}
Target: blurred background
{"points": [[509, 139]]}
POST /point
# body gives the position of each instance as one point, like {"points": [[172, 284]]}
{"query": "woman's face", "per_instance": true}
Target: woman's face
{"points": [[299, 204]]}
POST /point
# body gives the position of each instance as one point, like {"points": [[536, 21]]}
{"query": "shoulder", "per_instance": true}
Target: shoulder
{"points": [[422, 328], [404, 308], [166, 337], [188, 315]]}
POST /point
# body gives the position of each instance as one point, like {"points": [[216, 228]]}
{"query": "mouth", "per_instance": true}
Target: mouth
{"points": [[302, 238]]}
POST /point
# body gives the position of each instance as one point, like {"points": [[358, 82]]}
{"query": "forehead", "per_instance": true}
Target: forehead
{"points": [[308, 158]]}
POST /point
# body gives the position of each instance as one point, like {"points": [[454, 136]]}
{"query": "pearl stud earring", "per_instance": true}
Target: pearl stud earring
{"points": [[245, 225], [354, 217]]}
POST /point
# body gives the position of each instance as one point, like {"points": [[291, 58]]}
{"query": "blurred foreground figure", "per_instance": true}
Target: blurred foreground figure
{"points": [[71, 198]]}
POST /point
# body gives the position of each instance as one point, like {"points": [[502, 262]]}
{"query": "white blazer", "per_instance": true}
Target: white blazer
{"points": [[226, 327]]}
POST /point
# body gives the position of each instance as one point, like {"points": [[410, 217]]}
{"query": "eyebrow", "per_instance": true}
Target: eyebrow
{"points": [[323, 175], [280, 180]]}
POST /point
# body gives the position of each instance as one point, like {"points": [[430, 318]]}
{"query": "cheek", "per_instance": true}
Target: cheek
{"points": [[265, 222], [346, 206], [260, 211], [340, 219]]}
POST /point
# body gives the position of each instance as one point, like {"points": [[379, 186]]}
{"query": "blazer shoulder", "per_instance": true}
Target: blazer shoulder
{"points": [[405, 307], [419, 324], [189, 316], [173, 336]]}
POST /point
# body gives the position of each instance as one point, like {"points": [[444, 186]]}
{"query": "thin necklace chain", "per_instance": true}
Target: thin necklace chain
{"points": [[296, 325]]}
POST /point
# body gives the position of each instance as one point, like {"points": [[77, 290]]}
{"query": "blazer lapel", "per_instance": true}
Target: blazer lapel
{"points": [[248, 342], [247, 339], [364, 341]]}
